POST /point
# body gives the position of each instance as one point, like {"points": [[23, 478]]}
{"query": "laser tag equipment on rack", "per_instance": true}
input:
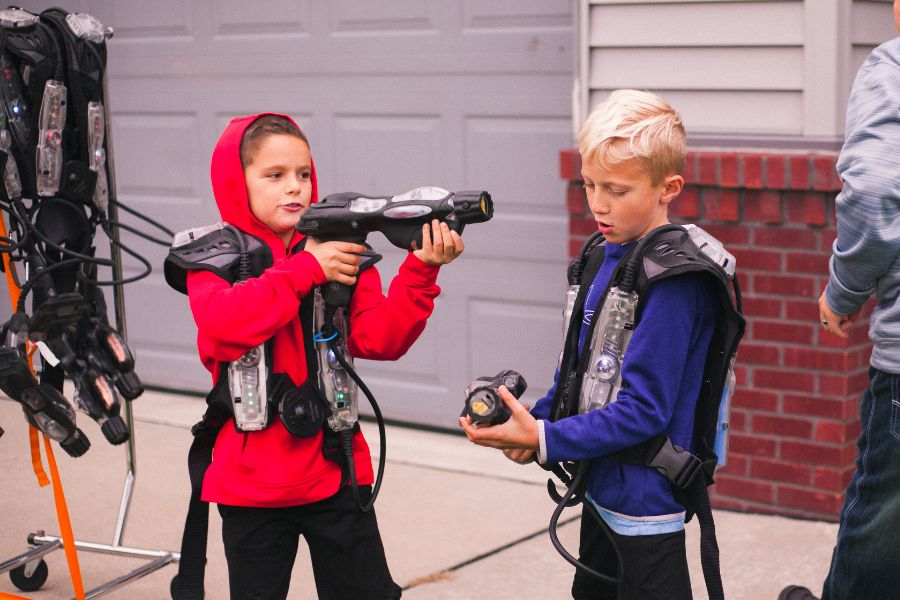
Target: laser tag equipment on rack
{"points": [[591, 381], [44, 407], [483, 401]]}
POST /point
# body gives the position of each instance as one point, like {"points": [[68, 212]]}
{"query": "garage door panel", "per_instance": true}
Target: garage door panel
{"points": [[517, 13], [523, 154], [379, 154], [150, 151], [380, 17], [280, 16], [132, 18]]}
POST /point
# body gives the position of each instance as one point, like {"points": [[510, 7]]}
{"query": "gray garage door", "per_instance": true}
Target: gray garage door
{"points": [[393, 94]]}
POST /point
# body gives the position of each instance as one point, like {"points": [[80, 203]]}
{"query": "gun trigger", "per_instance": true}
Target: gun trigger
{"points": [[369, 259]]}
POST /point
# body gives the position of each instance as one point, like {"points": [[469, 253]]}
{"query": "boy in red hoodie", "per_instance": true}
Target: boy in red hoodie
{"points": [[272, 486]]}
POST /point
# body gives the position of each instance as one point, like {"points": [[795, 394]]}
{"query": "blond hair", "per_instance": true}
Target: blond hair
{"points": [[635, 124]]}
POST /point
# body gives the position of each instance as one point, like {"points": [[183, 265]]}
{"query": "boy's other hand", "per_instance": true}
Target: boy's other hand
{"points": [[440, 244], [519, 433], [339, 260], [523, 457]]}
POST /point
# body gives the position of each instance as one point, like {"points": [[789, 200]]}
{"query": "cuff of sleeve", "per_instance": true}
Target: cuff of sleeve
{"points": [[419, 273], [542, 443], [839, 297], [306, 271]]}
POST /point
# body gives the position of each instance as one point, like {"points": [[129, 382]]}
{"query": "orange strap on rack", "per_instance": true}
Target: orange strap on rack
{"points": [[4, 596], [62, 511]]}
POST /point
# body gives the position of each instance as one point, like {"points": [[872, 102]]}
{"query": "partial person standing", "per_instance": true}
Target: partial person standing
{"points": [[866, 261]]}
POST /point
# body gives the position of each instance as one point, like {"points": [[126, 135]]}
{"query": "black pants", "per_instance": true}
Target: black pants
{"points": [[347, 554], [655, 566]]}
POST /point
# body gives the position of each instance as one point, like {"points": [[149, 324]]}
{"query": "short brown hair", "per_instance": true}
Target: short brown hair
{"points": [[260, 129]]}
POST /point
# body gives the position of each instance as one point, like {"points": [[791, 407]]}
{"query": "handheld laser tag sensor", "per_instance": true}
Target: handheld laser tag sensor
{"points": [[483, 401]]}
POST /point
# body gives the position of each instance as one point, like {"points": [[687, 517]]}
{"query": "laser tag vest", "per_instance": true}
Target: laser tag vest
{"points": [[666, 252], [218, 248]]}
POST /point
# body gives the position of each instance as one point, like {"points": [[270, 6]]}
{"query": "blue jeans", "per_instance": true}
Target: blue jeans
{"points": [[866, 560]]}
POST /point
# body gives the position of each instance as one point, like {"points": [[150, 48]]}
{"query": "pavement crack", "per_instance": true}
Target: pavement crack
{"points": [[447, 574]]}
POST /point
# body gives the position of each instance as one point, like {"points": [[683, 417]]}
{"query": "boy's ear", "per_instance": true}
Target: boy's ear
{"points": [[672, 186]]}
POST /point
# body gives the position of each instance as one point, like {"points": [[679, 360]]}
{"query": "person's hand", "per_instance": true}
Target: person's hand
{"points": [[339, 260], [834, 323], [440, 244], [523, 457], [519, 433]]}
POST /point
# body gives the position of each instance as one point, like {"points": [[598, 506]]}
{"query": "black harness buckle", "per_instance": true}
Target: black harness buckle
{"points": [[676, 464]]}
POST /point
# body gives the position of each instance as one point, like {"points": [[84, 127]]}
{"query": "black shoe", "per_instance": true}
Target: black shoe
{"points": [[796, 592]]}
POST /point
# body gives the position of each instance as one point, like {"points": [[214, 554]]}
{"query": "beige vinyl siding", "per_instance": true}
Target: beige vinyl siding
{"points": [[735, 67]]}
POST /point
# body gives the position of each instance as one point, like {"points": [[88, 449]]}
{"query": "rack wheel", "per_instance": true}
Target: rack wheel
{"points": [[30, 583]]}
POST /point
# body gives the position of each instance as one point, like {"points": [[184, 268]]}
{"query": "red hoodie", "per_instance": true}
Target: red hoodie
{"points": [[273, 468]]}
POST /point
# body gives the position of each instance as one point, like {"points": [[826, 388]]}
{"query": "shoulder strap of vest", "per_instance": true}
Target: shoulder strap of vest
{"points": [[215, 248], [582, 271]]}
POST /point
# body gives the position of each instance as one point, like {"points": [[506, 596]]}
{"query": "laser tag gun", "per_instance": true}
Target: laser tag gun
{"points": [[108, 353], [483, 401], [335, 381], [44, 407], [350, 216], [94, 393]]}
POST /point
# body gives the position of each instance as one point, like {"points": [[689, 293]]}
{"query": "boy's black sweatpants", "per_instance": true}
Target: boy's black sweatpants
{"points": [[655, 566], [347, 554]]}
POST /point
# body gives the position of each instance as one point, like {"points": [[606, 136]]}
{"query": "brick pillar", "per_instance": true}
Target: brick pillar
{"points": [[795, 416]]}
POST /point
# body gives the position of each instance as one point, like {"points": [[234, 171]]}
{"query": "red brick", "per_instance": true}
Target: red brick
{"points": [[741, 375], [802, 310], [779, 331], [739, 420], [759, 354], [776, 171], [570, 165], [720, 205], [725, 504], [708, 168], [764, 307], [826, 503], [819, 407], [829, 340], [784, 285], [807, 262], [761, 468], [814, 209], [691, 172], [754, 399], [798, 381], [840, 384], [784, 237], [744, 488], [826, 239], [817, 454], [782, 426], [837, 432], [728, 234], [799, 168], [575, 245], [728, 169], [687, 204], [752, 445], [819, 360], [576, 201], [752, 171], [736, 466], [832, 479], [763, 206], [823, 173], [582, 226], [757, 259]]}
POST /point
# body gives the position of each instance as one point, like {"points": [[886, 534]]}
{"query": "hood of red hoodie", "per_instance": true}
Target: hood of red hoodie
{"points": [[230, 187]]}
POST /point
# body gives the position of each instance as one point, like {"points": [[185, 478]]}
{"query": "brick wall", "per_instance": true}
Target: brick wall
{"points": [[795, 413]]}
